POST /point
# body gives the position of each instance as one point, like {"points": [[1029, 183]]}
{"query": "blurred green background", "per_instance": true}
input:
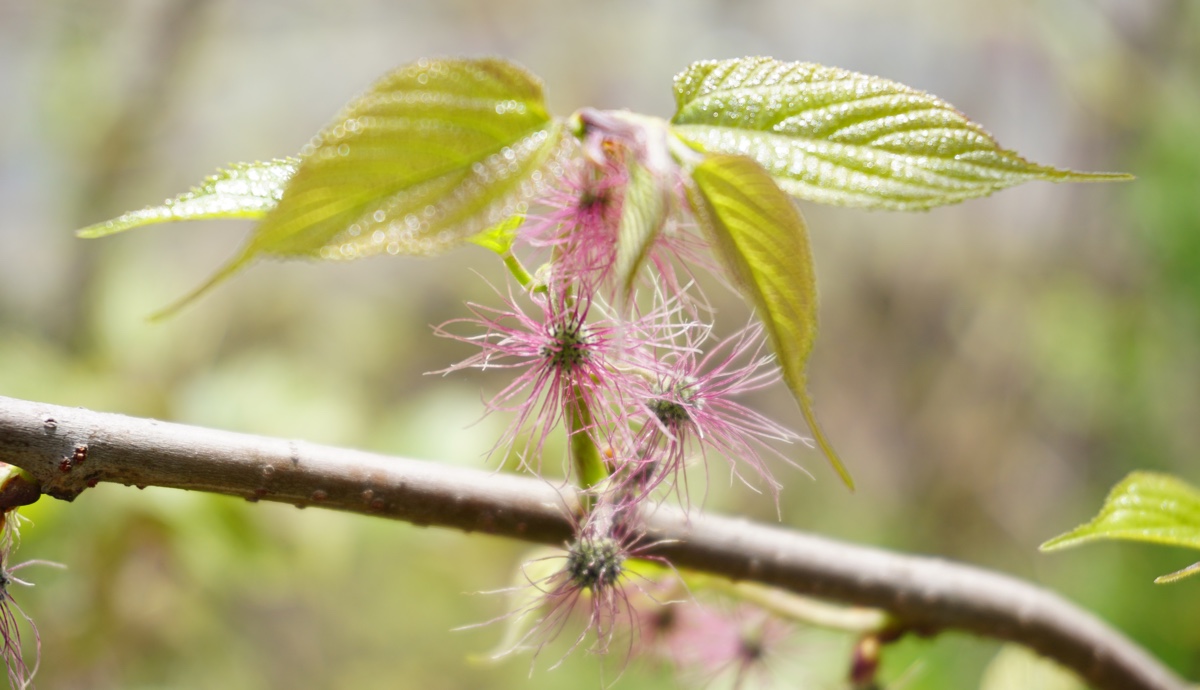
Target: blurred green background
{"points": [[987, 370]]}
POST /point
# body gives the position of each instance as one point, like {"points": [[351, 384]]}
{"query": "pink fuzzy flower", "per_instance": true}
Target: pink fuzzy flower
{"points": [[594, 585], [581, 225], [571, 358], [706, 643], [690, 403], [562, 357]]}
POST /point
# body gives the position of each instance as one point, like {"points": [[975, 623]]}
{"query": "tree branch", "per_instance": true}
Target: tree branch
{"points": [[70, 449]]}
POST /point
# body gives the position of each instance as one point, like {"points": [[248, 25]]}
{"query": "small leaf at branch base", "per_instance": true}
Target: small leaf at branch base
{"points": [[1148, 507], [838, 137], [243, 190], [499, 238], [759, 235]]}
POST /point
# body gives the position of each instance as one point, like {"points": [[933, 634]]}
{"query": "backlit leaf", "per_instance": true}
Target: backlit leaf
{"points": [[434, 153], [642, 215], [1145, 506], [839, 137], [243, 190], [760, 236]]}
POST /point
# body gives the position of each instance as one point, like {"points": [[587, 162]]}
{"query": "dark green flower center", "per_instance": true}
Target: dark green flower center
{"points": [[752, 647], [594, 200], [595, 563], [569, 344], [676, 398]]}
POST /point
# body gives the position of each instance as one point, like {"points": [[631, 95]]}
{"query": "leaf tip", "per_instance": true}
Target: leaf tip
{"points": [[810, 417], [1177, 575], [224, 273], [92, 232], [111, 227], [1076, 176], [1060, 542]]}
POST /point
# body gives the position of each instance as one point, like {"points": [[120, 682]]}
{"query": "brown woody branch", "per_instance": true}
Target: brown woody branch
{"points": [[68, 450]]}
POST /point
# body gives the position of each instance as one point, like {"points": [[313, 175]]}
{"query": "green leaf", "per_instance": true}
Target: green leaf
{"points": [[499, 238], [433, 154], [243, 190], [642, 214], [761, 238], [1017, 668], [839, 137], [1145, 506]]}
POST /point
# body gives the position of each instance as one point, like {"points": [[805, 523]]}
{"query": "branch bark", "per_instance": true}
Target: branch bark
{"points": [[68, 450]]}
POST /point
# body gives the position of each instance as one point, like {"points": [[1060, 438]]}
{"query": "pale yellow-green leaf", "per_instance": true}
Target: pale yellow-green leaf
{"points": [[499, 238], [642, 214], [1148, 507], [243, 190], [838, 137], [1017, 668], [434, 153], [759, 235]]}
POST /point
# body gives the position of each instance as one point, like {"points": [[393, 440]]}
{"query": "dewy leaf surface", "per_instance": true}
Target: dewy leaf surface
{"points": [[243, 190], [760, 236], [1148, 507], [838, 137], [434, 153]]}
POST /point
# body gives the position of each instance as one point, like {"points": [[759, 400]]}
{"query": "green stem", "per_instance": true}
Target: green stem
{"points": [[517, 269], [798, 608], [585, 456]]}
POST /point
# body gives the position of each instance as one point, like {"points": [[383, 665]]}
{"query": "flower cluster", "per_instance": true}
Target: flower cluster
{"points": [[637, 382]]}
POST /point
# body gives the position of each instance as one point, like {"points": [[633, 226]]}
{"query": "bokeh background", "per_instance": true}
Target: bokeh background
{"points": [[987, 370]]}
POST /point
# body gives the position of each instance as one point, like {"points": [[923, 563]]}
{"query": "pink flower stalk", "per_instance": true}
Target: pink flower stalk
{"points": [[583, 214], [691, 403]]}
